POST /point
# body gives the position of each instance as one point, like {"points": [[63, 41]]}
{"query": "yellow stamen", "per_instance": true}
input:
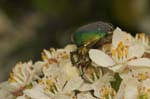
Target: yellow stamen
{"points": [[143, 38], [120, 53], [142, 76], [11, 78], [107, 92]]}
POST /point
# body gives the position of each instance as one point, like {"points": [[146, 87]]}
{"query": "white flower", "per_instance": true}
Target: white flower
{"points": [[22, 73], [92, 74], [143, 39], [52, 89], [4, 94], [69, 71], [139, 74], [124, 54], [102, 88], [70, 48], [59, 55], [55, 56], [121, 36], [6, 91], [21, 76], [128, 89], [56, 78], [55, 70], [144, 89], [36, 92], [58, 64], [118, 61], [38, 66], [132, 89], [62, 73]]}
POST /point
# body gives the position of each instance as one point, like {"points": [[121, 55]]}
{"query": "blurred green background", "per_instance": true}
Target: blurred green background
{"points": [[29, 26]]}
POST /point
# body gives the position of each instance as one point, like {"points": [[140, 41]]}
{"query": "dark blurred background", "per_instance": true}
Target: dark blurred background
{"points": [[29, 26]]}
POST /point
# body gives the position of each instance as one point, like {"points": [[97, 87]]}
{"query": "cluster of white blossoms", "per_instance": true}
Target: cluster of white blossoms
{"points": [[119, 71]]}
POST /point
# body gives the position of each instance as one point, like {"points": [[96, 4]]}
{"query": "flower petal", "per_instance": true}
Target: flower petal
{"points": [[117, 68], [140, 62], [136, 51], [100, 58], [36, 92], [120, 36], [128, 89], [73, 84], [85, 87], [146, 84], [71, 48], [131, 90]]}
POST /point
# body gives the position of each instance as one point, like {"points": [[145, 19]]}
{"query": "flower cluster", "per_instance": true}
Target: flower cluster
{"points": [[117, 70]]}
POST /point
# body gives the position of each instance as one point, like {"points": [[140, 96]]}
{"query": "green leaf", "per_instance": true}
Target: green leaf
{"points": [[116, 84]]}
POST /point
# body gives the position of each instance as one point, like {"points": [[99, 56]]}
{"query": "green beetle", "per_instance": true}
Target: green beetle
{"points": [[91, 33]]}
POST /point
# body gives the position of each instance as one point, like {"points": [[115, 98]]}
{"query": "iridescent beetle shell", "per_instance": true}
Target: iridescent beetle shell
{"points": [[93, 35], [91, 32]]}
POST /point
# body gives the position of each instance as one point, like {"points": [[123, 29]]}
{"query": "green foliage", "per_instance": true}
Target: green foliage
{"points": [[116, 84]]}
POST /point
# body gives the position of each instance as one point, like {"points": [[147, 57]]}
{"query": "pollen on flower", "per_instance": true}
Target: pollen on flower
{"points": [[107, 93], [55, 56], [44, 57], [143, 93], [142, 38], [45, 82], [49, 85], [21, 74], [142, 76], [63, 55], [120, 53], [11, 78], [116, 70], [50, 60], [48, 54]]}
